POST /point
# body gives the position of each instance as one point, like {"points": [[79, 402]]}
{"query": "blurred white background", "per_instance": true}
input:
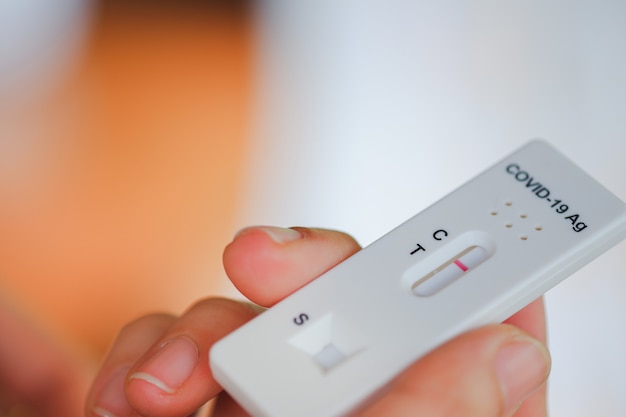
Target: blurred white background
{"points": [[40, 42], [368, 111]]}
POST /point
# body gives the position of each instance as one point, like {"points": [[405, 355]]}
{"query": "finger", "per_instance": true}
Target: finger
{"points": [[532, 320], [107, 397], [487, 372], [268, 263], [173, 377]]}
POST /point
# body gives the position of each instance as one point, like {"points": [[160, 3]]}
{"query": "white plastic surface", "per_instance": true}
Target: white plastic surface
{"points": [[449, 272], [328, 347]]}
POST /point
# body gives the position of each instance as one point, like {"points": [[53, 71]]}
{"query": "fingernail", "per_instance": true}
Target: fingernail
{"points": [[277, 234], [112, 400], [521, 366], [171, 365], [281, 234]]}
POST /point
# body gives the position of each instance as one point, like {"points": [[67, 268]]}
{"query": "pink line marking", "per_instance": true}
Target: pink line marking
{"points": [[460, 265]]}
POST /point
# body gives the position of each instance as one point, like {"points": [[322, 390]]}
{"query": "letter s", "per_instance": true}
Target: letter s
{"points": [[300, 319]]}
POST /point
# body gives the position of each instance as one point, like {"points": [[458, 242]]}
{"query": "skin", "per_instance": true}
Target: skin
{"points": [[493, 371]]}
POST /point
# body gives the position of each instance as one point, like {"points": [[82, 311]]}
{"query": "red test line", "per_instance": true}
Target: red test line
{"points": [[460, 265]]}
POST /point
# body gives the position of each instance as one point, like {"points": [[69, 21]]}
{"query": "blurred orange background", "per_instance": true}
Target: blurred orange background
{"points": [[126, 203]]}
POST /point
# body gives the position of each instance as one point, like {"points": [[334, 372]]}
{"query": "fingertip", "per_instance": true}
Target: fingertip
{"points": [[247, 259], [173, 381], [522, 365], [171, 365], [267, 263], [531, 319]]}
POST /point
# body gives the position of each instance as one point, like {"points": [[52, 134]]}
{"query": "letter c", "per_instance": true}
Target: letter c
{"points": [[512, 169], [439, 232]]}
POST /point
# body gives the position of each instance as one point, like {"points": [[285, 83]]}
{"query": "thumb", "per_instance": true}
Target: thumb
{"points": [[488, 372]]}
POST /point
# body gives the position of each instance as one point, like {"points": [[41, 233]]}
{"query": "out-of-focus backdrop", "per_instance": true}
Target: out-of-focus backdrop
{"points": [[136, 138], [122, 135]]}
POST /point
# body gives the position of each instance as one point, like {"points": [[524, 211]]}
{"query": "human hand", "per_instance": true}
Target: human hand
{"points": [[158, 366]]}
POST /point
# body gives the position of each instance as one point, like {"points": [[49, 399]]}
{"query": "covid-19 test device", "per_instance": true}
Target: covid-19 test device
{"points": [[475, 257]]}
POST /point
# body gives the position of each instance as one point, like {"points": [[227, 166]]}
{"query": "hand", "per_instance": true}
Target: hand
{"points": [[158, 366]]}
